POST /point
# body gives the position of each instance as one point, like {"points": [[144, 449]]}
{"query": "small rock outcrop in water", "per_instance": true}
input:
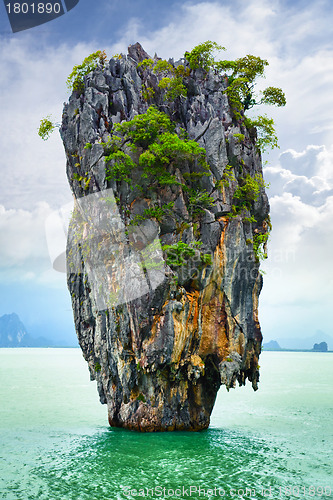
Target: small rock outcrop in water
{"points": [[162, 333], [321, 347], [272, 345]]}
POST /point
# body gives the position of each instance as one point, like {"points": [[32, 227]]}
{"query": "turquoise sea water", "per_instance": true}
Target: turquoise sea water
{"points": [[55, 442]]}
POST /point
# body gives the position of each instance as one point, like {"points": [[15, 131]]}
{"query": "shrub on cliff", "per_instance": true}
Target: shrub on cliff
{"points": [[46, 128], [75, 81], [242, 74]]}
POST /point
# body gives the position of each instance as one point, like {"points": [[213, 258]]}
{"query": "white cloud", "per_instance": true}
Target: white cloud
{"points": [[32, 87], [26, 253], [299, 282], [23, 238], [202, 21], [295, 214], [307, 174]]}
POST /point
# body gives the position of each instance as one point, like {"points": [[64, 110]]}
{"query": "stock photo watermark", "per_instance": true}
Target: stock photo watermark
{"points": [[121, 262], [25, 15], [125, 262], [184, 492]]}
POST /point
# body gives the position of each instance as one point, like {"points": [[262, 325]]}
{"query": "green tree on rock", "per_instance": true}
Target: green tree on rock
{"points": [[242, 75]]}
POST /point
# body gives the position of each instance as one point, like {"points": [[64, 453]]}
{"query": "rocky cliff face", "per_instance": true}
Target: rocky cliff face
{"points": [[164, 275]]}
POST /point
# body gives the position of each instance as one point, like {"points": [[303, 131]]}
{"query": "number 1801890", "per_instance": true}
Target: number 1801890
{"points": [[33, 8]]}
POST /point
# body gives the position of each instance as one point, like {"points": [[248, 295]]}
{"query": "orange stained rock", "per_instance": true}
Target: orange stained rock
{"points": [[185, 324], [193, 314], [197, 361], [255, 299], [197, 392], [240, 344], [219, 262], [156, 326], [214, 338]]}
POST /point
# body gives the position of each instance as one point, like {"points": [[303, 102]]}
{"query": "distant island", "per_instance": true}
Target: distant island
{"points": [[14, 334], [272, 345], [298, 345], [322, 347]]}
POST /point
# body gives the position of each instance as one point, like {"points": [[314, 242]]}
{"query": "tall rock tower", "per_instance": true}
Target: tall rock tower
{"points": [[163, 249]]}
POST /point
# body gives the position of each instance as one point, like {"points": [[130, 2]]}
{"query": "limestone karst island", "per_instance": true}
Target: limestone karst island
{"points": [[170, 224]]}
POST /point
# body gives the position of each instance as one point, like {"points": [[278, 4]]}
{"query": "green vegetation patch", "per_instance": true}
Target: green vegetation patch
{"points": [[46, 128], [242, 75], [75, 81]]}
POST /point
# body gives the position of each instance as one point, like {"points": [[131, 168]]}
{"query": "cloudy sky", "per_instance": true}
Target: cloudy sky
{"points": [[296, 38]]}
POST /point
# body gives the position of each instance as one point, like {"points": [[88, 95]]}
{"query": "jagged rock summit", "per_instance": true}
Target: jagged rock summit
{"points": [[163, 268]]}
